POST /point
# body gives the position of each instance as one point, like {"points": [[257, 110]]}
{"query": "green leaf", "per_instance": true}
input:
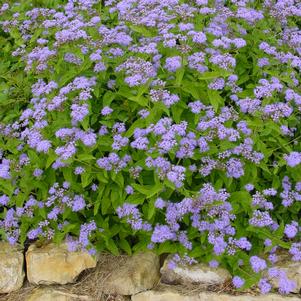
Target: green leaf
{"points": [[99, 199], [177, 112], [118, 178], [139, 123], [86, 179], [108, 98], [136, 198], [167, 247], [102, 177], [192, 88], [105, 201], [51, 158], [85, 157], [151, 209], [116, 196], [111, 246], [215, 99], [124, 245], [6, 187], [179, 76], [68, 174], [213, 74], [148, 191], [141, 29], [242, 199], [127, 93]]}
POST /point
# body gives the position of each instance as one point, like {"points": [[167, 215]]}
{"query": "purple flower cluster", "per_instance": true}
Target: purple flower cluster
{"points": [[176, 115], [133, 217], [83, 241], [113, 162]]}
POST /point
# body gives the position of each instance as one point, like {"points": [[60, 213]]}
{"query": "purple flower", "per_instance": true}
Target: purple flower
{"points": [[286, 285], [198, 37], [129, 189], [160, 203], [176, 175], [234, 168], [79, 112], [171, 265], [264, 286], [238, 282], [263, 62], [119, 142], [243, 243], [43, 146], [106, 111], [261, 219], [249, 187], [143, 113], [34, 233], [293, 159], [94, 187], [78, 203], [38, 172], [133, 217], [295, 250], [67, 151], [53, 214], [103, 130], [291, 230], [217, 84], [5, 169], [79, 170], [138, 71], [224, 61], [213, 263], [257, 264], [4, 199], [196, 107], [162, 233], [173, 63]]}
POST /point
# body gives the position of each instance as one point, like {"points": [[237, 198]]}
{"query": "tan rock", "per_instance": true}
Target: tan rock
{"points": [[48, 294], [174, 296], [196, 273], [122, 298], [52, 264], [137, 273], [11, 268]]}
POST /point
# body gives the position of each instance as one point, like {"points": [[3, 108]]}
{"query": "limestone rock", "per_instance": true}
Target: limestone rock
{"points": [[11, 268], [137, 273], [48, 294], [122, 298], [52, 264], [196, 273], [174, 296]]}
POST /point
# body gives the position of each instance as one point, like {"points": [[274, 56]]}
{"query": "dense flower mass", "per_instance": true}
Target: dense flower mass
{"points": [[167, 125]]}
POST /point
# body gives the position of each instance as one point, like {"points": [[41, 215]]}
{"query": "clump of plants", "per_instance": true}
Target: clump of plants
{"points": [[167, 125]]}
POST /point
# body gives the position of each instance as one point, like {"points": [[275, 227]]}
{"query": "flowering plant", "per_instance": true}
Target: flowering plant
{"points": [[169, 125]]}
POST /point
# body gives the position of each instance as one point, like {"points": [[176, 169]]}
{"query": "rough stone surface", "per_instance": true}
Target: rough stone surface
{"points": [[197, 273], [48, 294], [173, 296], [137, 273], [122, 298], [11, 268], [52, 264]]}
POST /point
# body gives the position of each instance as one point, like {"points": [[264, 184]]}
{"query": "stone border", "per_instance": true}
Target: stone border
{"points": [[70, 276]]}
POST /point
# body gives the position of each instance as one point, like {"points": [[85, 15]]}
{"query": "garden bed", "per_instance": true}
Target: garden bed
{"points": [[171, 126]]}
